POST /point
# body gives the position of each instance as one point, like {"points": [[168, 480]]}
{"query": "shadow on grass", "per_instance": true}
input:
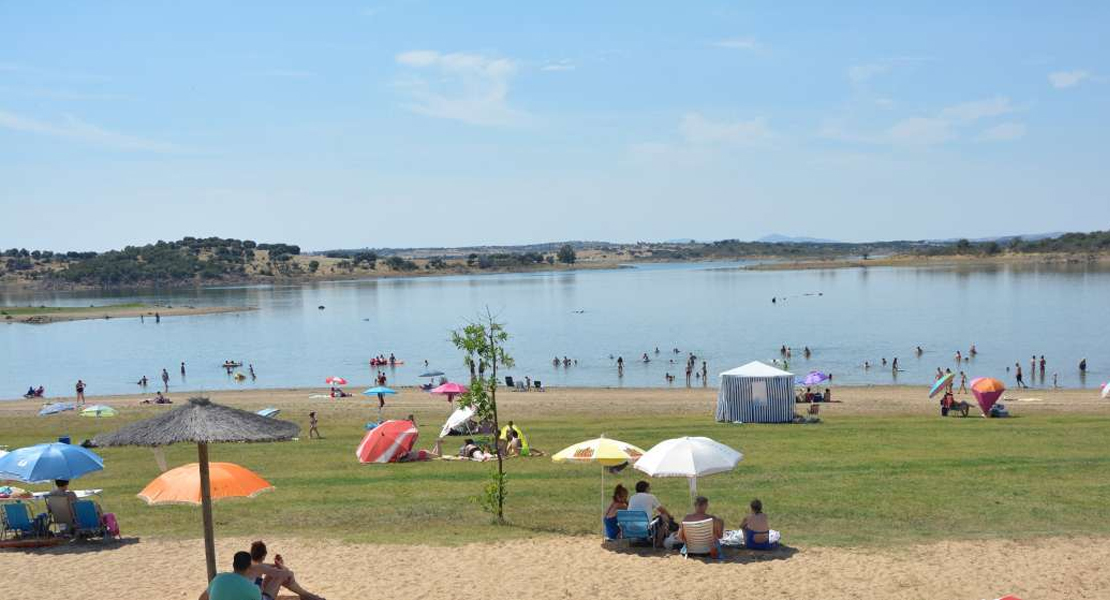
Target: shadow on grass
{"points": [[728, 555], [78, 547]]}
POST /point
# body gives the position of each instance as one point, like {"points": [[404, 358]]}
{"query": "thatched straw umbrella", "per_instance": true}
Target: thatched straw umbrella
{"points": [[202, 422]]}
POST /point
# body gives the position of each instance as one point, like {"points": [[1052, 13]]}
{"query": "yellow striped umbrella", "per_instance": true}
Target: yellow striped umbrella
{"points": [[602, 451]]}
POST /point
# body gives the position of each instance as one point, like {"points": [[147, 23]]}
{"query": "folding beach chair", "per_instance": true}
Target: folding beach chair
{"points": [[16, 519], [539, 386], [88, 523], [700, 540], [635, 525], [61, 514]]}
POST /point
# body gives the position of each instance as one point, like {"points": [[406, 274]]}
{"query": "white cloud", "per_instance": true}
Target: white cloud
{"points": [[1003, 132], [921, 131], [738, 43], [74, 129], [560, 65], [1066, 79], [289, 73], [969, 112], [697, 129], [472, 88], [943, 126], [863, 73]]}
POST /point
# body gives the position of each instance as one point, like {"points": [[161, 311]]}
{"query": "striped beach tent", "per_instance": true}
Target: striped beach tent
{"points": [[756, 393]]}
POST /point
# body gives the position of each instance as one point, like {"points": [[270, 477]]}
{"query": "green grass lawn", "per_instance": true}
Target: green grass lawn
{"points": [[849, 481], [34, 311]]}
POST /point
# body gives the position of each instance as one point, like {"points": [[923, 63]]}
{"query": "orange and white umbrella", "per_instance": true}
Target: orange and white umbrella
{"points": [[182, 485]]}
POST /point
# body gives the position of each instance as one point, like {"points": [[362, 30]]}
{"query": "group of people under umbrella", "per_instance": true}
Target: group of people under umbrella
{"points": [[986, 391]]}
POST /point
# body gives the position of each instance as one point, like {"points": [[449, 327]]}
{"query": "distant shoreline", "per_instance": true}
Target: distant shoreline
{"points": [[43, 315], [930, 261]]}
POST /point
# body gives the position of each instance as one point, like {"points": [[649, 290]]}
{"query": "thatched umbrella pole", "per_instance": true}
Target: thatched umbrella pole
{"points": [[202, 423], [206, 510]]}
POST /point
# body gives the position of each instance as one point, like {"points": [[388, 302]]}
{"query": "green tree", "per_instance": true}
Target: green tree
{"points": [[567, 254], [313, 266], [483, 345]]}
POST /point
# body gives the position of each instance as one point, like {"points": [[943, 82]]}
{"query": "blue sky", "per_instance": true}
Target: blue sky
{"points": [[417, 123]]}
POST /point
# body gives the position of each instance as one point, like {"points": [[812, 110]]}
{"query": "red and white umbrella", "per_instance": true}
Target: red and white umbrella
{"points": [[449, 389], [335, 380], [387, 442]]}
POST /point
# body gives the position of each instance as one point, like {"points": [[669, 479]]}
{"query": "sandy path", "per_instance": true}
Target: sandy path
{"points": [[615, 402], [539, 569]]}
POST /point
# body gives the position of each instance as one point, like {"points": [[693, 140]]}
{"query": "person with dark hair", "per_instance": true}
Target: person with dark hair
{"points": [[313, 423], [235, 585], [620, 502], [643, 500], [270, 578], [757, 531]]}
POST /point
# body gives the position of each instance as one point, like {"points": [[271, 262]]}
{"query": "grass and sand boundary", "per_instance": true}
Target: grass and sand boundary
{"points": [[881, 478]]}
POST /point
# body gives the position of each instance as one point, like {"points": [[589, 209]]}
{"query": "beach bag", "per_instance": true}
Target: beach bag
{"points": [[108, 520]]}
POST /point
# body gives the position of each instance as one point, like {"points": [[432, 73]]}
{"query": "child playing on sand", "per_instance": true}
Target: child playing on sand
{"points": [[312, 423]]}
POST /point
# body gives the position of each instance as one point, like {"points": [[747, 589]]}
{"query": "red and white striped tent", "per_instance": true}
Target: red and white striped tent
{"points": [[387, 442]]}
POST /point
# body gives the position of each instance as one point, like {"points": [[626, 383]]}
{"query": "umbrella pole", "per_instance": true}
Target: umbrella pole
{"points": [[206, 510], [603, 500]]}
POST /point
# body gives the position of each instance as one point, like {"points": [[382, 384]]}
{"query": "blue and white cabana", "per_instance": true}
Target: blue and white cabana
{"points": [[756, 393]]}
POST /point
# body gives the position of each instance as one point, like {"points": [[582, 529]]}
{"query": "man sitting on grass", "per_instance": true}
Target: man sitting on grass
{"points": [[235, 585]]}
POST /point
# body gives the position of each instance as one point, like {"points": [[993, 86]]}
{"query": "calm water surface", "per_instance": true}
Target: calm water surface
{"points": [[722, 314]]}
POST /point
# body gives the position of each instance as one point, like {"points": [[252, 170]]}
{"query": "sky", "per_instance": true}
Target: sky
{"points": [[401, 124]]}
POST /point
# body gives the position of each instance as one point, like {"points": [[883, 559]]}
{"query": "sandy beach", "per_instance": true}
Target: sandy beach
{"points": [[550, 566], [848, 400], [46, 315], [559, 568]]}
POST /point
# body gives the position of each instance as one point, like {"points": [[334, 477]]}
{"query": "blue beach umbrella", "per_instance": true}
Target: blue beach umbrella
{"points": [[269, 412], [939, 385], [55, 408], [46, 462], [381, 392]]}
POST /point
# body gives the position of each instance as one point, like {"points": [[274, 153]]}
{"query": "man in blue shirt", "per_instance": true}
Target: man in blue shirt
{"points": [[234, 586]]}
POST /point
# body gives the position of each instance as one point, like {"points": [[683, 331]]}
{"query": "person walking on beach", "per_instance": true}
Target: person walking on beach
{"points": [[963, 382], [250, 367], [313, 432], [166, 380], [80, 393], [1018, 377]]}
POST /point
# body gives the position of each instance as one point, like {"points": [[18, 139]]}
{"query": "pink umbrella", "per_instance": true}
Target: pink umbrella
{"points": [[449, 389], [333, 380]]}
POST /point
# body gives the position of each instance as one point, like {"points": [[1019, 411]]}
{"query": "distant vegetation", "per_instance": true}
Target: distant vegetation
{"points": [[187, 260], [191, 260]]}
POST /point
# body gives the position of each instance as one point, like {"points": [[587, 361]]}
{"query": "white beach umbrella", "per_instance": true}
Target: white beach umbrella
{"points": [[1106, 390], [460, 416], [689, 457]]}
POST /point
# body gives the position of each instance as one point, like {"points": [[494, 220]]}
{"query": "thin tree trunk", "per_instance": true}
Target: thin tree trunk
{"points": [[206, 510], [497, 430]]}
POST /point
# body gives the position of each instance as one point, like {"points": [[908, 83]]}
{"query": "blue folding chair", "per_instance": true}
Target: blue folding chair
{"points": [[86, 515], [635, 525], [17, 519]]}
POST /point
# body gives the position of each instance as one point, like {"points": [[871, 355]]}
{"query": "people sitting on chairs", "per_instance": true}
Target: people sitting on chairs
{"points": [[643, 500], [33, 392], [701, 506], [620, 502], [59, 502]]}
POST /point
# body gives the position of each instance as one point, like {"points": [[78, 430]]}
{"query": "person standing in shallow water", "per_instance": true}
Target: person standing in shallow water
{"points": [[80, 392]]}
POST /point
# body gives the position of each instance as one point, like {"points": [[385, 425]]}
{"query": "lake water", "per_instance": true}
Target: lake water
{"points": [[722, 314]]}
